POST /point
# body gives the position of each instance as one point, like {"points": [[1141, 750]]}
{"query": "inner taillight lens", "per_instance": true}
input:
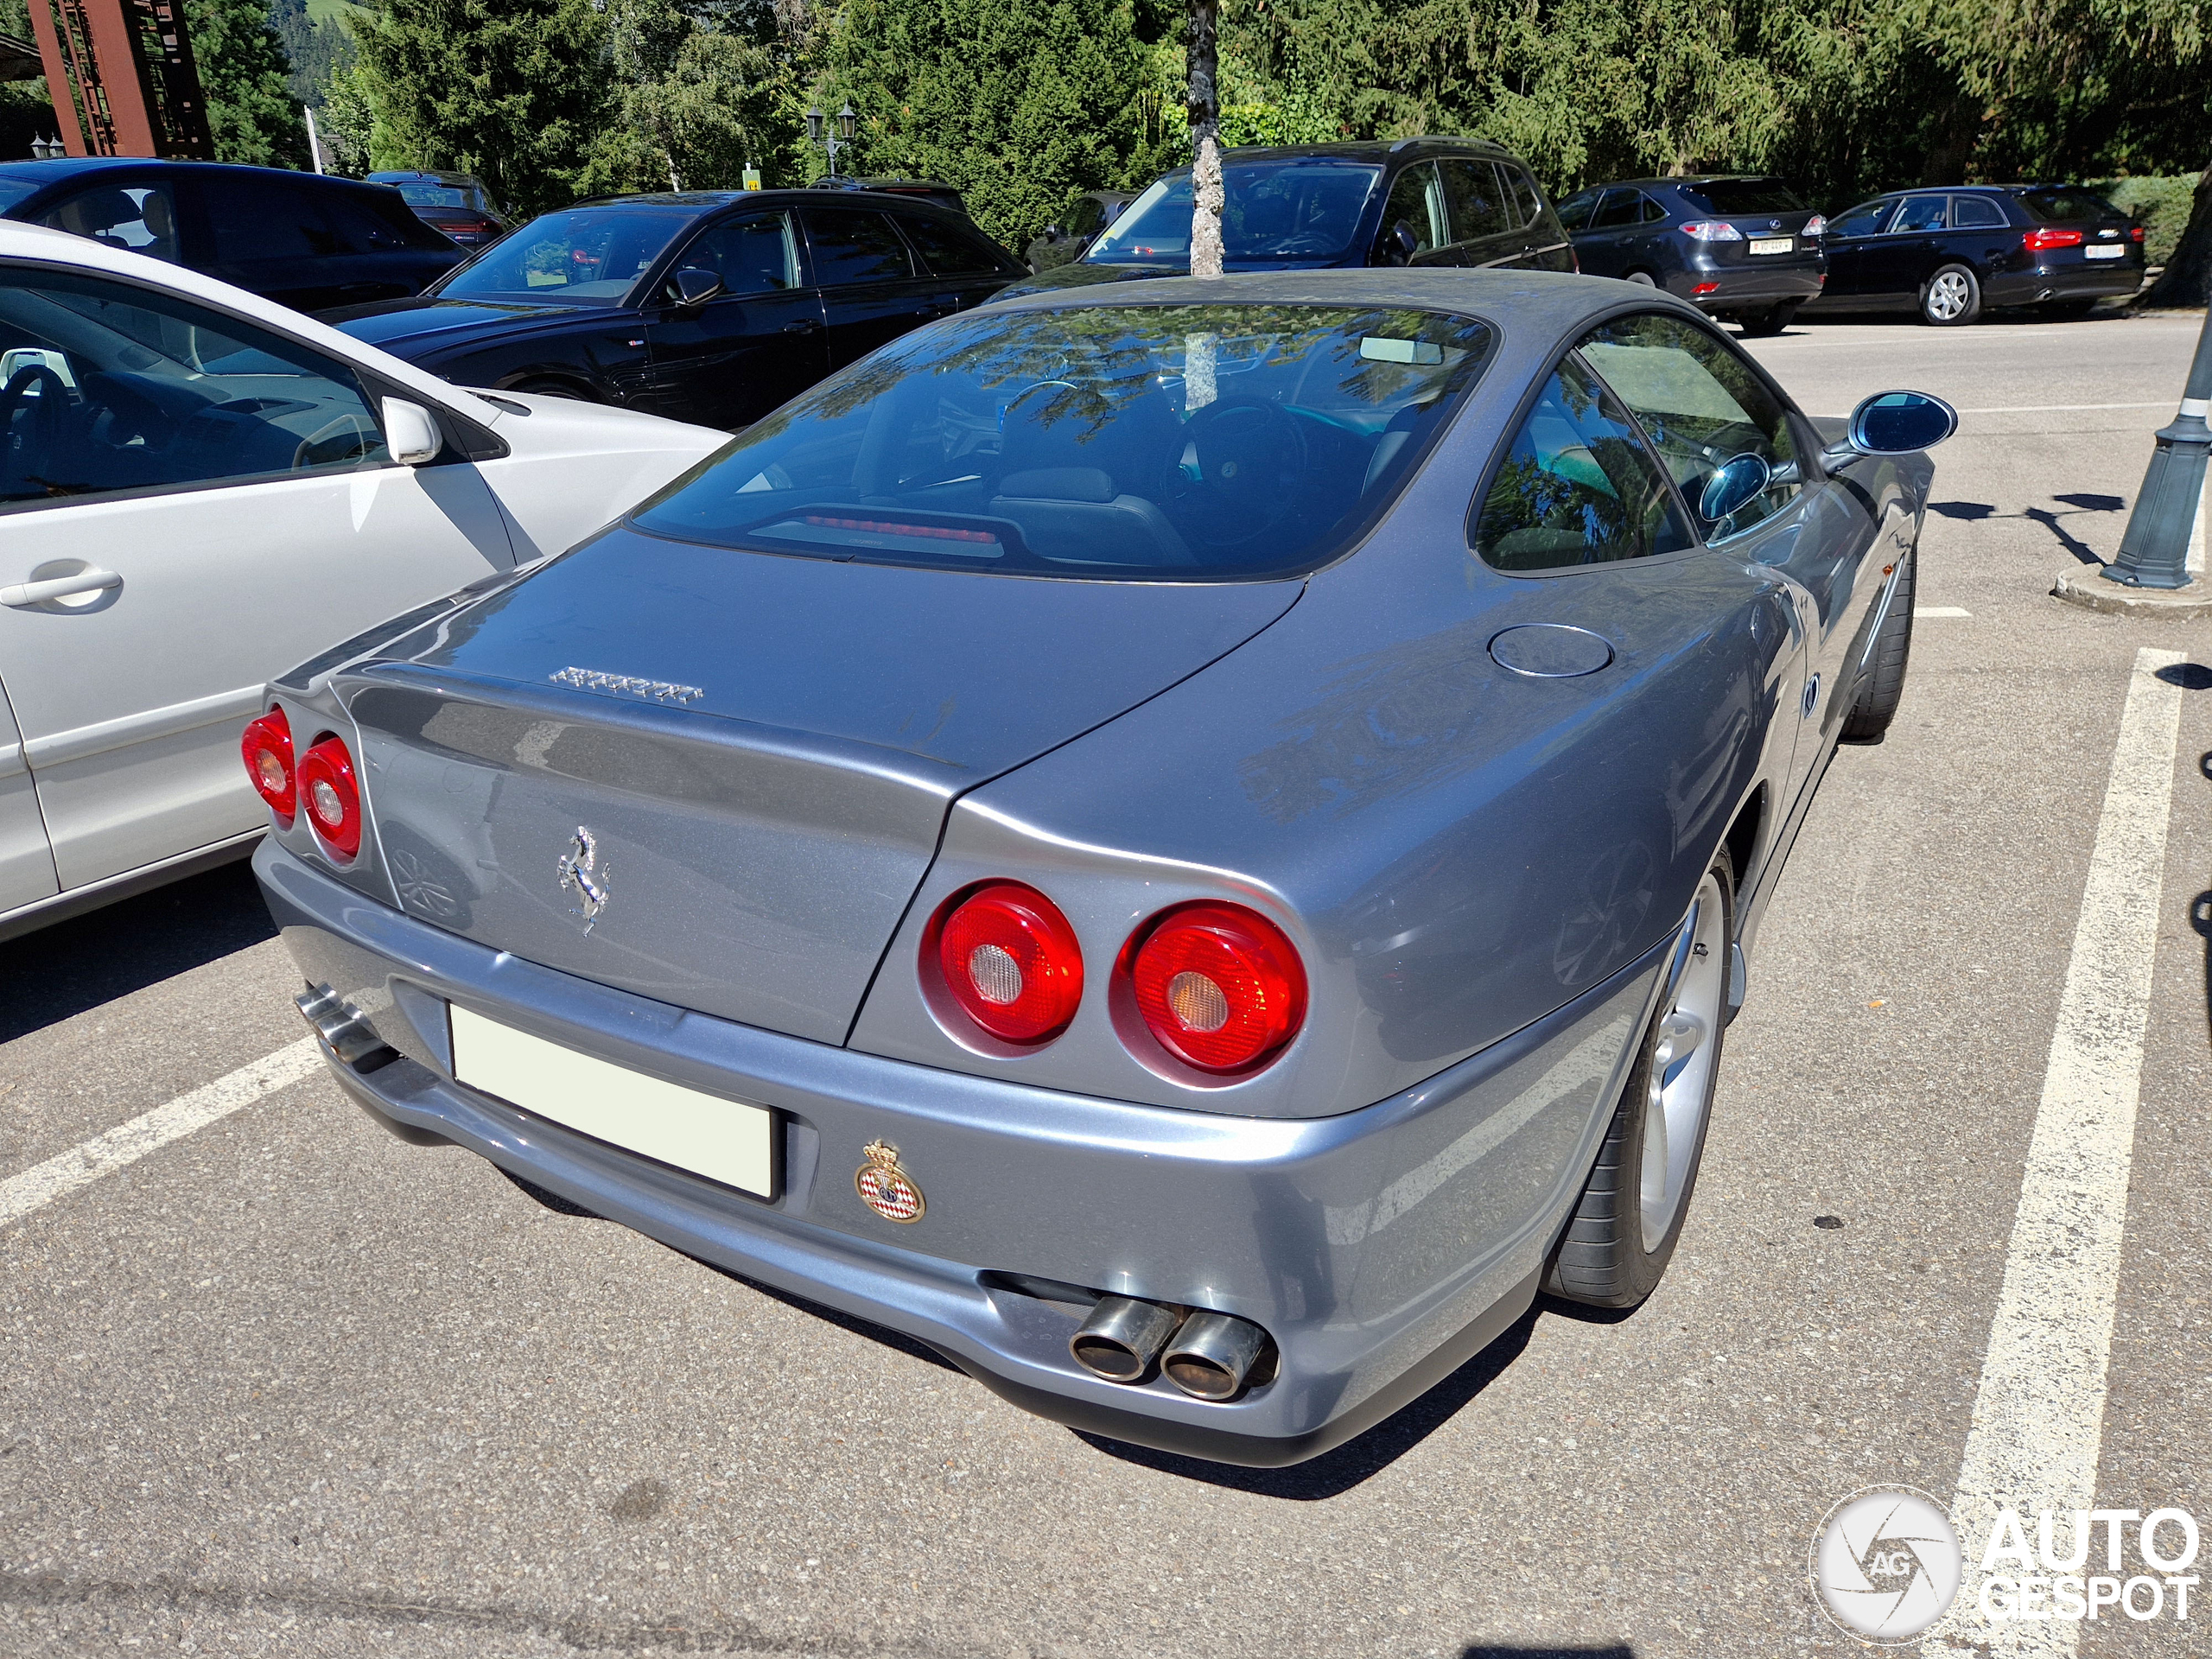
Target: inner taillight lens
{"points": [[2135, 234], [1711, 230], [2042, 241], [332, 797], [266, 748], [1011, 962], [1219, 986], [1816, 225]]}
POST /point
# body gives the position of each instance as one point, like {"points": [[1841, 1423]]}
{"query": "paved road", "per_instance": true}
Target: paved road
{"points": [[287, 1386]]}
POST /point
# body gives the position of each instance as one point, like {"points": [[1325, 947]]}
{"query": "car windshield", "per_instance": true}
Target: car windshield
{"points": [[417, 194], [591, 256], [1143, 443], [1305, 210], [1725, 196], [2064, 206]]}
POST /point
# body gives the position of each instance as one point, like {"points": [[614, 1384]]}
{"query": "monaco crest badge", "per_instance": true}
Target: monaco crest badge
{"points": [[886, 1188]]}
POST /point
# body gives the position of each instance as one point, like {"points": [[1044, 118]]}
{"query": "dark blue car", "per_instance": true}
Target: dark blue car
{"points": [[300, 238], [1748, 251]]}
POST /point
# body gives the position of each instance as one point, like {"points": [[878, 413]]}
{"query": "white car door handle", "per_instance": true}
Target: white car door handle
{"points": [[37, 593]]}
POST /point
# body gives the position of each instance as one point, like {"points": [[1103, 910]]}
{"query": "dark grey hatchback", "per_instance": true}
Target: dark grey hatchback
{"points": [[1745, 250]]}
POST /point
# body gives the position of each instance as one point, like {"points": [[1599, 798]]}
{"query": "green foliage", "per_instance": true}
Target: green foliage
{"points": [[2162, 204], [1022, 107], [513, 91], [695, 104], [347, 116], [316, 42], [250, 109]]}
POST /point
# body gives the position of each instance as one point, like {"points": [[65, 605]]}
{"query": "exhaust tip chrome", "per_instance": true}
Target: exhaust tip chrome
{"points": [[1122, 1337], [1212, 1355], [343, 1029]]}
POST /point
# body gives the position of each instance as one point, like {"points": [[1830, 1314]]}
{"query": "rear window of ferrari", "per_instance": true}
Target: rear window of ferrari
{"points": [[1139, 442]]}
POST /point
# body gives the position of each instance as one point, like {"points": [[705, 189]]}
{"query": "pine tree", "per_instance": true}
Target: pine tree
{"points": [[243, 68]]}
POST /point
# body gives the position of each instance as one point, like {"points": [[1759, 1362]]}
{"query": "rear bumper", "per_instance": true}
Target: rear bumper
{"points": [[1793, 279], [1380, 1248], [2078, 280]]}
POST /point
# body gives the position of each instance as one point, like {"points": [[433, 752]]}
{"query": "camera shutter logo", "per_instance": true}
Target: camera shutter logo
{"points": [[1887, 1563]]}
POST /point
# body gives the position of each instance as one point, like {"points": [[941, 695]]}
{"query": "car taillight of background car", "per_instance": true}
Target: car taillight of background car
{"points": [[1710, 229], [2043, 239]]}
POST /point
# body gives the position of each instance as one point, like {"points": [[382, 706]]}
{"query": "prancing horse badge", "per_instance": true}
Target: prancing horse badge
{"points": [[886, 1188]]}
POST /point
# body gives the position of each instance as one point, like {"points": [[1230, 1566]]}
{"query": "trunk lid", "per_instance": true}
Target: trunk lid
{"points": [[715, 778]]}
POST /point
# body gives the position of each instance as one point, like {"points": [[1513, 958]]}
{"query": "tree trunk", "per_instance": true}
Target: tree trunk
{"points": [[2187, 279], [1206, 142]]}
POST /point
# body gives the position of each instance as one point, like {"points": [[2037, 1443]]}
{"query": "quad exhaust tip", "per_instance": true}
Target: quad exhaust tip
{"points": [[1208, 1356]]}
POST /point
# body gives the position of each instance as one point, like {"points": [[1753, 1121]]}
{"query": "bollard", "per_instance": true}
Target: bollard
{"points": [[2154, 553]]}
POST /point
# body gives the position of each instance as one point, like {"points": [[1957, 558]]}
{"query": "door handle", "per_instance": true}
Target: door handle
{"points": [[803, 326], [25, 594]]}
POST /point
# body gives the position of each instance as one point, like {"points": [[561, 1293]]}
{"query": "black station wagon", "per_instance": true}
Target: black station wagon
{"points": [[710, 306], [1951, 252]]}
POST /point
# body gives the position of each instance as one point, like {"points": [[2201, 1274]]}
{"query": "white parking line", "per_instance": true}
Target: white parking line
{"points": [[2038, 1419], [128, 1143], [1919, 610]]}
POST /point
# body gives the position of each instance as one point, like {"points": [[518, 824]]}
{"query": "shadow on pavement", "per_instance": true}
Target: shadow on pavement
{"points": [[1972, 512], [58, 971], [1337, 1472]]}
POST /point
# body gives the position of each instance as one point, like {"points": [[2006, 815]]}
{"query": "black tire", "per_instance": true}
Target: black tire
{"points": [[574, 393], [1604, 1258], [1951, 298], [1764, 324], [1875, 704]]}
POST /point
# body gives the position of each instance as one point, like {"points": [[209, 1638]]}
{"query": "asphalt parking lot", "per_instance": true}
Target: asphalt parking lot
{"points": [[285, 1385]]}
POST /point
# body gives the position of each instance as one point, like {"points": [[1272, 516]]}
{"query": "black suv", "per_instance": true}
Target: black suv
{"points": [[1745, 249], [712, 306], [1951, 251], [299, 238], [1416, 201]]}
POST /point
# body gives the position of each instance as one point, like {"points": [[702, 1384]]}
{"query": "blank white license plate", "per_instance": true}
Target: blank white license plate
{"points": [[2095, 252], [726, 1141], [1772, 243]]}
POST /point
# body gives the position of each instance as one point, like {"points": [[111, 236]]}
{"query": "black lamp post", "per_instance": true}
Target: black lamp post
{"points": [[2154, 551], [848, 121]]}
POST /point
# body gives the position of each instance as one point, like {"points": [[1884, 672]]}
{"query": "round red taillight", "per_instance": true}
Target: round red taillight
{"points": [[1221, 988], [266, 748], [1011, 962], [332, 797]]}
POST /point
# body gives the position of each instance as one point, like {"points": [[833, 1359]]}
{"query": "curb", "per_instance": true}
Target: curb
{"points": [[2090, 590]]}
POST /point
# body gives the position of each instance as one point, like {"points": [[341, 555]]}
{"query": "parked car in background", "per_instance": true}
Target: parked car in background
{"points": [[1093, 212], [1192, 851], [455, 204], [1414, 201], [943, 195], [199, 487], [712, 306], [300, 238], [1954, 251], [1743, 248]]}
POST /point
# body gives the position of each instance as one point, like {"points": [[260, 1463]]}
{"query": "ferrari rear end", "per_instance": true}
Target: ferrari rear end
{"points": [[731, 879]]}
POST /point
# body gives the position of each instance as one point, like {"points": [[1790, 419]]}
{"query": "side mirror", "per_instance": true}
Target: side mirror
{"points": [[410, 432], [1053, 233], [1900, 423], [1736, 481], [692, 286], [1400, 244]]}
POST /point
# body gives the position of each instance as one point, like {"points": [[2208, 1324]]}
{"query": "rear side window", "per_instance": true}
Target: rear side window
{"points": [[854, 245], [1977, 213], [1088, 217], [2066, 207], [949, 250], [1528, 199], [1622, 207], [1725, 196], [1575, 212], [1577, 486], [139, 217], [1147, 443], [1477, 205]]}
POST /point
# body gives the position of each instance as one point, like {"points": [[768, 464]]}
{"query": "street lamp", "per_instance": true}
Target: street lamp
{"points": [[848, 121], [48, 149], [2154, 552]]}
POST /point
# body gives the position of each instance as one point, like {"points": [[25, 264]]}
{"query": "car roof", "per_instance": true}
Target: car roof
{"points": [[1366, 150], [60, 171], [707, 200], [392, 175], [1691, 180]]}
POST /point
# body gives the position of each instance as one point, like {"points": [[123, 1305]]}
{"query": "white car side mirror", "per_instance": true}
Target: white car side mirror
{"points": [[410, 432]]}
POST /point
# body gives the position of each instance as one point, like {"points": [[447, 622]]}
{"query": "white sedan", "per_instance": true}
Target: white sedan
{"points": [[199, 489]]}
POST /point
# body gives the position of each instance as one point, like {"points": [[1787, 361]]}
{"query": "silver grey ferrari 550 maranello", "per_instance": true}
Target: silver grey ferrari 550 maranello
{"points": [[1191, 851]]}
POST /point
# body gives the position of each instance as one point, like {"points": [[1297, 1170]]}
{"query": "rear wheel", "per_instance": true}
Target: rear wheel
{"points": [[1623, 1230], [1772, 319], [1875, 705], [1950, 297]]}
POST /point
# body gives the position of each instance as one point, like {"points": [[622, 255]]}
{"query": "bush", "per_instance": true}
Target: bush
{"points": [[2161, 203]]}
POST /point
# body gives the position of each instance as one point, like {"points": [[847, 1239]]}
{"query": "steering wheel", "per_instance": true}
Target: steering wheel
{"points": [[50, 413], [1251, 455], [129, 413]]}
